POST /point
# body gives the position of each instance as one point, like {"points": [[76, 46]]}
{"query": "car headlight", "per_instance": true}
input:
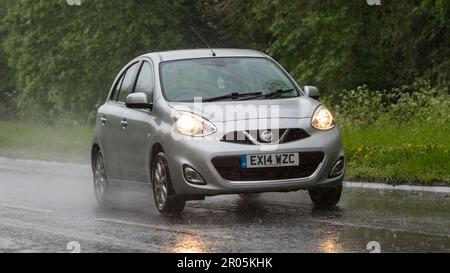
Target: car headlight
{"points": [[322, 119], [193, 125]]}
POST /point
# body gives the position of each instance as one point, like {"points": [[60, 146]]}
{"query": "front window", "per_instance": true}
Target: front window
{"points": [[210, 78]]}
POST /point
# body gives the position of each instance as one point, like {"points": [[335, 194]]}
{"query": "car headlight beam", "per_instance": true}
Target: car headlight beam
{"points": [[322, 119], [193, 125]]}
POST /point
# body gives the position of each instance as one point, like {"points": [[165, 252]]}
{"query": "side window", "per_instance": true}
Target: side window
{"points": [[145, 82], [117, 88], [128, 82]]}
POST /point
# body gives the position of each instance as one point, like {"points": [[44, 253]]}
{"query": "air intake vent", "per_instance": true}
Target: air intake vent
{"points": [[256, 137]]}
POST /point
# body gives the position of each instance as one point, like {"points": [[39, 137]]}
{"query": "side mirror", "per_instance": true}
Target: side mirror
{"points": [[138, 101], [312, 92]]}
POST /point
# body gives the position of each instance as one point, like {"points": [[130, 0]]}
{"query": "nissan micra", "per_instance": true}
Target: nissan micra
{"points": [[196, 123]]}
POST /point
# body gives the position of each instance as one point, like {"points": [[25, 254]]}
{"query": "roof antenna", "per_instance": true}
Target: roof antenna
{"points": [[203, 40]]}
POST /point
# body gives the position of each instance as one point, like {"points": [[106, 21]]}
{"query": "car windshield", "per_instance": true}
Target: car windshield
{"points": [[217, 78]]}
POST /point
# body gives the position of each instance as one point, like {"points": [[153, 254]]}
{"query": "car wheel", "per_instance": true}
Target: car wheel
{"points": [[325, 197], [250, 196], [166, 201], [101, 185]]}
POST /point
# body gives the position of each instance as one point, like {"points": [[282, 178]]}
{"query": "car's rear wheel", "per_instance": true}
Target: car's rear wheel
{"points": [[166, 201], [325, 197], [102, 187]]}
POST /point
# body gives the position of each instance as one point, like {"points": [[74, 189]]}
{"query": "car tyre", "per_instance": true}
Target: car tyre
{"points": [[166, 200], [102, 188], [325, 197]]}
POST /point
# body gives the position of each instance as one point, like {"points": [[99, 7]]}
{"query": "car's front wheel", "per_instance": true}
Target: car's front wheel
{"points": [[325, 197], [166, 201]]}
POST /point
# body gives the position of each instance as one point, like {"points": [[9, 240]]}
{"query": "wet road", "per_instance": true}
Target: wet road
{"points": [[44, 206]]}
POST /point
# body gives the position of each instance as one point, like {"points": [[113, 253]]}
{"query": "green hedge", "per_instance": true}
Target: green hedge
{"points": [[395, 136]]}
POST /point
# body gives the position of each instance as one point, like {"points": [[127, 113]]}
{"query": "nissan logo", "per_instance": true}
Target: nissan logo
{"points": [[266, 136]]}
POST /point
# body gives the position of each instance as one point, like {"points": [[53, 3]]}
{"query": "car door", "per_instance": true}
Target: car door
{"points": [[109, 119], [114, 124], [135, 148]]}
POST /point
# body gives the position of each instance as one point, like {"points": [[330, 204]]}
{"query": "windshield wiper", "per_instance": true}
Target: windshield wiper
{"points": [[274, 94], [233, 96], [278, 93]]}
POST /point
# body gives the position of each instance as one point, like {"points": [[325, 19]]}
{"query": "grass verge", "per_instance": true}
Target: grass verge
{"points": [[52, 143], [416, 154]]}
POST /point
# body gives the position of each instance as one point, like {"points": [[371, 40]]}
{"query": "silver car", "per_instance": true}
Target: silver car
{"points": [[205, 122]]}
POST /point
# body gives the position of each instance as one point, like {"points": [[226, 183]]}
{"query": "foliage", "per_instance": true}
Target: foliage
{"points": [[341, 44], [396, 136], [7, 90], [417, 103], [65, 57], [62, 58]]}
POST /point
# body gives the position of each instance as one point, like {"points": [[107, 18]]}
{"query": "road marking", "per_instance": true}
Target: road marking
{"points": [[83, 237], [160, 227], [381, 186], [24, 208]]}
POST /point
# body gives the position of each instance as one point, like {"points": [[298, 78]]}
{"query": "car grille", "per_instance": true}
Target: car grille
{"points": [[229, 167], [283, 136]]}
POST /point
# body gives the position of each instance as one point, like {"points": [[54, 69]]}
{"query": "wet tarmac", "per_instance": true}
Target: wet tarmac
{"points": [[50, 207]]}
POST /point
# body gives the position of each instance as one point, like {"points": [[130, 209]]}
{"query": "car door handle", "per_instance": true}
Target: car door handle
{"points": [[124, 123], [103, 120]]}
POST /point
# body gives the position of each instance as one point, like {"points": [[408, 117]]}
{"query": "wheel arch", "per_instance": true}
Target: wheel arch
{"points": [[155, 149], [94, 150]]}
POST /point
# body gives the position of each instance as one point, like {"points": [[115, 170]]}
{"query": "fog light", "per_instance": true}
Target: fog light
{"points": [[192, 176], [338, 168]]}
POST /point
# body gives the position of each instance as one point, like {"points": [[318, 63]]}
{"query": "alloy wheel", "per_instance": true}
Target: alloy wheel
{"points": [[99, 179], [160, 184]]}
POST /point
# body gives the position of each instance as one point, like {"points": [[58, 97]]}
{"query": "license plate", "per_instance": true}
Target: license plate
{"points": [[270, 160]]}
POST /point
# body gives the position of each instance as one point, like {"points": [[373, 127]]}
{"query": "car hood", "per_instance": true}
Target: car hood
{"points": [[298, 107]]}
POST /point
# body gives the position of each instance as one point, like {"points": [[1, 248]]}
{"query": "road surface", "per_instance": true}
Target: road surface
{"points": [[50, 207]]}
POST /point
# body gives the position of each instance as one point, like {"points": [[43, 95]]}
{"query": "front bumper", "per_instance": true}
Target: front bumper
{"points": [[199, 153]]}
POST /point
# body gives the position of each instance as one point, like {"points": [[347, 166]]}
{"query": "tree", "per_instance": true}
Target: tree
{"points": [[65, 57], [7, 90], [345, 43]]}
